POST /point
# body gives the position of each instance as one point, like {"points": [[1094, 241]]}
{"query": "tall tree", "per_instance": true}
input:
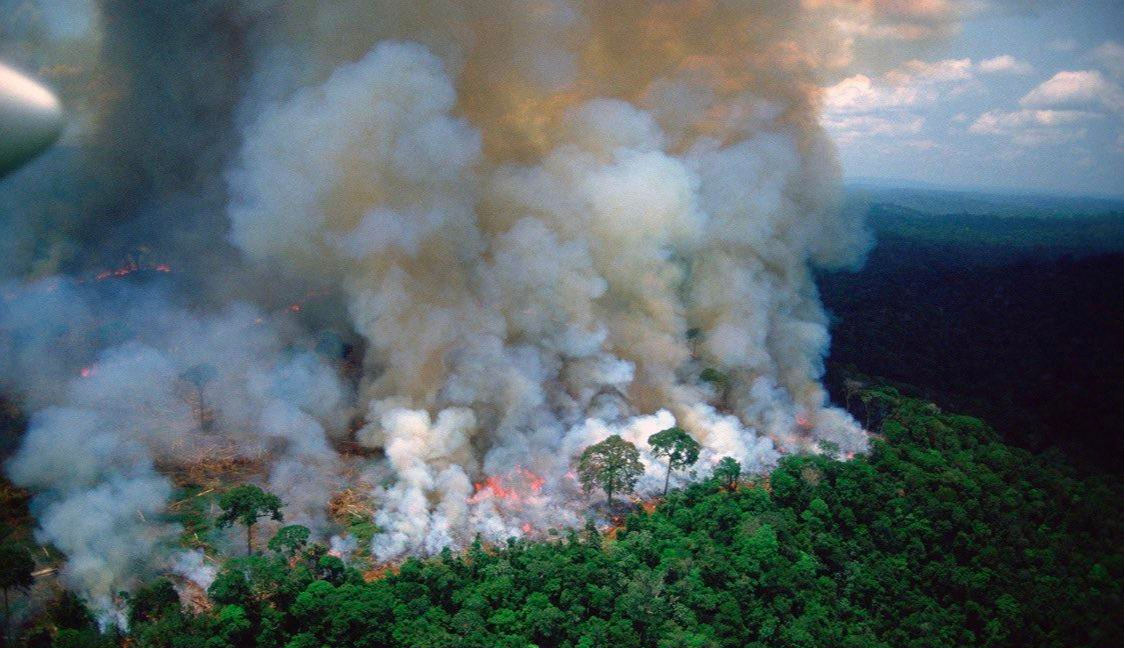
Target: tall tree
{"points": [[246, 504], [727, 471], [678, 446], [614, 465], [199, 375], [16, 566]]}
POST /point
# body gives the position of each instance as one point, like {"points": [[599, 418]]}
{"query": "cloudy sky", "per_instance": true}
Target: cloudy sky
{"points": [[1019, 95], [1007, 94]]}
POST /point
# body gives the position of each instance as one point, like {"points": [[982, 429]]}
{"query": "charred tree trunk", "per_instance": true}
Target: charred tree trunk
{"points": [[204, 421]]}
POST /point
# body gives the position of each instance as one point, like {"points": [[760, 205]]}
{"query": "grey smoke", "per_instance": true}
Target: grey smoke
{"points": [[538, 227]]}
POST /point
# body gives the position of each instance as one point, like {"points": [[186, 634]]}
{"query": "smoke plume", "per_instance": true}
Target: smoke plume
{"points": [[528, 225]]}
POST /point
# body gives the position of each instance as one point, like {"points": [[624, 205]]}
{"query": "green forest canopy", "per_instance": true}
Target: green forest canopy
{"points": [[941, 536]]}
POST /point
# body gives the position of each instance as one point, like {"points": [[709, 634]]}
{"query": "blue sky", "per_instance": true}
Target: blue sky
{"points": [[1003, 94], [1024, 96]]}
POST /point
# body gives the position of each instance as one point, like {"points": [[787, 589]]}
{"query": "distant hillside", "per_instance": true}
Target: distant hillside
{"points": [[994, 239], [992, 227], [935, 200], [1013, 318]]}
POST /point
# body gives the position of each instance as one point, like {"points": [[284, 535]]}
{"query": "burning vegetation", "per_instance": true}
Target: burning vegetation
{"points": [[514, 487], [445, 273], [523, 244]]}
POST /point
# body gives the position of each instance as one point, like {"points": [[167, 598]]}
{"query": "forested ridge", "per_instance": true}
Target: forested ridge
{"points": [[941, 536], [1011, 319]]}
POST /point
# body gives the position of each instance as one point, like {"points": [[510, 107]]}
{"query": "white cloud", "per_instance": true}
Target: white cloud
{"points": [[1046, 136], [888, 106], [922, 144], [861, 94], [997, 121], [849, 128], [900, 20], [1074, 90], [913, 83], [862, 107], [1057, 111], [1005, 64], [1034, 127], [943, 71], [1108, 56]]}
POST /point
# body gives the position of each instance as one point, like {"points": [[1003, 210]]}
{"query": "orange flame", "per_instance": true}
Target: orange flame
{"points": [[511, 488], [130, 268]]}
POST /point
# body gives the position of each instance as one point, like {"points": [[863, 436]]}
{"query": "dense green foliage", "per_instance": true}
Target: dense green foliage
{"points": [[677, 446], [246, 504], [727, 472], [991, 236], [614, 465], [16, 566], [1018, 334], [941, 536]]}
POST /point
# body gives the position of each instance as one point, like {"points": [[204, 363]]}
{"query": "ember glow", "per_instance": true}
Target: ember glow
{"points": [[515, 487], [131, 268]]}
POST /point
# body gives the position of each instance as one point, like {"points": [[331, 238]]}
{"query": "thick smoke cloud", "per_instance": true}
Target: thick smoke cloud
{"points": [[537, 222], [183, 388], [516, 242]]}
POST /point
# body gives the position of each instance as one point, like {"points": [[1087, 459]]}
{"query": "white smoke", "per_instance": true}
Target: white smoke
{"points": [[97, 451], [543, 226], [519, 308], [193, 567]]}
